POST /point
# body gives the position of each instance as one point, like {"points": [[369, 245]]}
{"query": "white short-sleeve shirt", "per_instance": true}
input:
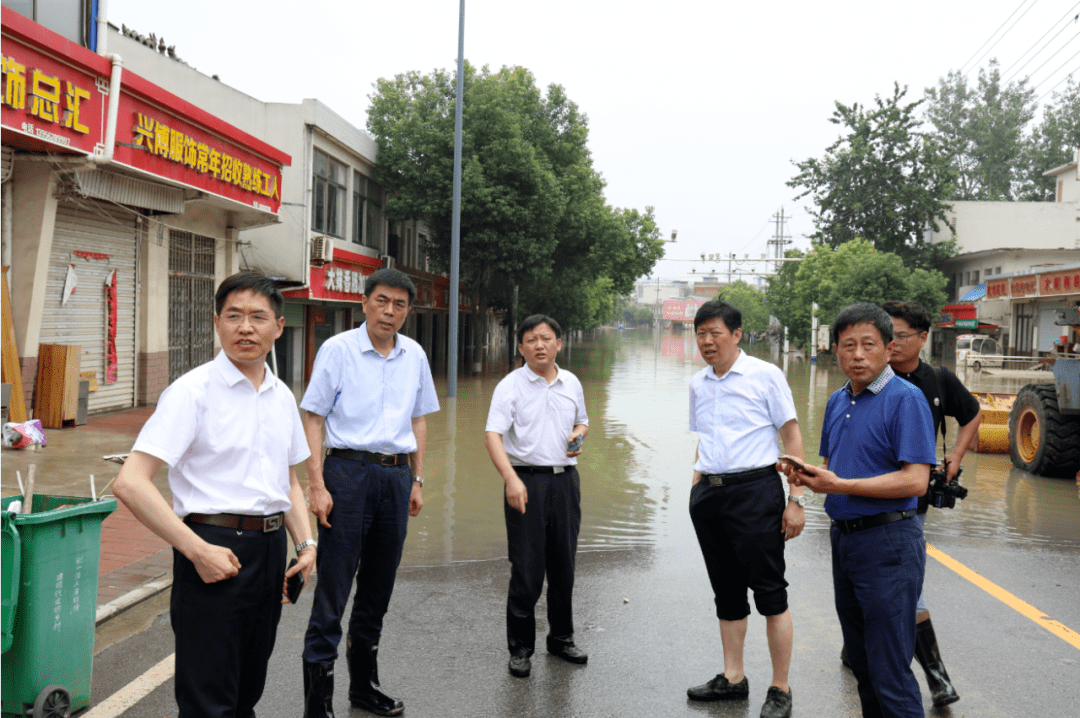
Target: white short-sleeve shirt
{"points": [[369, 400], [228, 446], [737, 416], [536, 418]]}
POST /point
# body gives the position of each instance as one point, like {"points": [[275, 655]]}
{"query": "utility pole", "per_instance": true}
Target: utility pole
{"points": [[779, 240]]}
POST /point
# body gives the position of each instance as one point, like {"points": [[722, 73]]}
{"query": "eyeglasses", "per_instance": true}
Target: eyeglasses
{"points": [[904, 336], [257, 319]]}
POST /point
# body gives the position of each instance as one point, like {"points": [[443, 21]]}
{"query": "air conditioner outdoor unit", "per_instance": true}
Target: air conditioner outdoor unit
{"points": [[387, 261], [322, 250]]}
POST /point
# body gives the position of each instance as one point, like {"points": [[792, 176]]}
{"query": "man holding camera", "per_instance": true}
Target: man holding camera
{"points": [[947, 397]]}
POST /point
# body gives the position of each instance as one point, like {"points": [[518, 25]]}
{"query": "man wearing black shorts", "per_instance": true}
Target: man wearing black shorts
{"points": [[739, 405]]}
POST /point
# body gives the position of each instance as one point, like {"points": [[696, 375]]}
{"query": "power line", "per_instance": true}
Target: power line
{"points": [[1051, 58], [1022, 3], [1040, 40], [1003, 34], [1057, 71]]}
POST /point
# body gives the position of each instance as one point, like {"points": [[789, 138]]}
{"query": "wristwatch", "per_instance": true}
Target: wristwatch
{"points": [[800, 500], [301, 546], [420, 480]]}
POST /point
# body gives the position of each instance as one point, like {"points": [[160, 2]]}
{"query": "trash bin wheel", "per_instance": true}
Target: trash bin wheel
{"points": [[53, 702]]}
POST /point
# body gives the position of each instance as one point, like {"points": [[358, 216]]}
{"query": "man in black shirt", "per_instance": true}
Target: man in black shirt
{"points": [[947, 396]]}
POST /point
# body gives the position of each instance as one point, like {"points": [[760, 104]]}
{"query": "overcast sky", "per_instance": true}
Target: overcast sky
{"points": [[695, 108]]}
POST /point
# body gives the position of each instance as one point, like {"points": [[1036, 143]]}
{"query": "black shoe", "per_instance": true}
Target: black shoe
{"points": [[926, 651], [568, 652], [777, 704], [720, 689], [364, 689], [844, 659], [520, 666], [318, 690]]}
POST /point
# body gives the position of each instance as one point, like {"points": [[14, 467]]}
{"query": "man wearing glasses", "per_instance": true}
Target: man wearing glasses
{"points": [[370, 389], [230, 433], [947, 396]]}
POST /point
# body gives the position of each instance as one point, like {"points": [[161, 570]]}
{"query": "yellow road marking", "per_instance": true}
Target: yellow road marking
{"points": [[1020, 606], [135, 691]]}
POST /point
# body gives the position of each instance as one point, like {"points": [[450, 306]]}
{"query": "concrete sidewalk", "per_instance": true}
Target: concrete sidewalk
{"points": [[135, 562]]}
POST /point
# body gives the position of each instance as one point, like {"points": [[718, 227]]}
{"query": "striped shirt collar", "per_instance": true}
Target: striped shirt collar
{"points": [[876, 385]]}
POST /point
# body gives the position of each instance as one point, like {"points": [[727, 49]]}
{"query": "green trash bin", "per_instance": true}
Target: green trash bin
{"points": [[49, 585]]}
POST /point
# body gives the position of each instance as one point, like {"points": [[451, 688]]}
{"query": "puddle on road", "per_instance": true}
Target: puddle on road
{"points": [[638, 459]]}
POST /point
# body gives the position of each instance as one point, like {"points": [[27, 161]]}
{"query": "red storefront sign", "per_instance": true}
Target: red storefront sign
{"points": [[958, 315], [1067, 282], [997, 288], [677, 310], [1025, 286], [55, 98]]}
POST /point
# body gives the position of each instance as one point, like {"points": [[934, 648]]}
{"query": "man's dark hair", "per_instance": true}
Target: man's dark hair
{"points": [[863, 313], [718, 308], [532, 322], [389, 277], [253, 282], [913, 313]]}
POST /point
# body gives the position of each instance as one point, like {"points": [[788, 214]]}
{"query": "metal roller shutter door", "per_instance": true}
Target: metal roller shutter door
{"points": [[89, 226]]}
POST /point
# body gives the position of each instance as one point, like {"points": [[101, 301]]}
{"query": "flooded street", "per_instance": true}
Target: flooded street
{"points": [[638, 459]]}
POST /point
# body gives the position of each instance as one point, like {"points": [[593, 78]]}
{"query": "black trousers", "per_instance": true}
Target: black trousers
{"points": [[542, 541], [225, 631]]}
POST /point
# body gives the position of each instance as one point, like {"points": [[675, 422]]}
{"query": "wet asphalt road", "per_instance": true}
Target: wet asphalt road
{"points": [[443, 650]]}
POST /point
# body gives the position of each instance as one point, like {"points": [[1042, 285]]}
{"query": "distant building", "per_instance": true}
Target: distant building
{"points": [[1005, 248]]}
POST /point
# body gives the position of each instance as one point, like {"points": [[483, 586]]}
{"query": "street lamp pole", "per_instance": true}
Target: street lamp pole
{"points": [[455, 231]]}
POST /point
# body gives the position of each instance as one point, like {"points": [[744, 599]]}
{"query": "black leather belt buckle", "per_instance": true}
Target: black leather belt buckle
{"points": [[273, 523], [387, 459], [715, 479]]}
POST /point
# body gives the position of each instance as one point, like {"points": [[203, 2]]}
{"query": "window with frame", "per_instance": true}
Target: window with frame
{"points": [[328, 203], [359, 198], [373, 221]]}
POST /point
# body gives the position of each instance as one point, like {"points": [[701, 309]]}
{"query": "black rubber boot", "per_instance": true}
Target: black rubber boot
{"points": [[319, 690], [929, 657], [364, 689]]}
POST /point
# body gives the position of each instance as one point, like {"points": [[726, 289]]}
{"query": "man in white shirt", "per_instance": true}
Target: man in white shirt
{"points": [[230, 432], [739, 405], [535, 426], [371, 389]]}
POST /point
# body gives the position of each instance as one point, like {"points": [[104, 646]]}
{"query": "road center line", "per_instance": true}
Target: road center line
{"points": [[135, 691], [1020, 606]]}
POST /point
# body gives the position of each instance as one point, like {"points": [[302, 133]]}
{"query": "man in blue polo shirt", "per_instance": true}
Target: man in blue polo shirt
{"points": [[878, 444]]}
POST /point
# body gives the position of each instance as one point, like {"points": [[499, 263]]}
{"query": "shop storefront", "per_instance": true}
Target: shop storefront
{"points": [[125, 204]]}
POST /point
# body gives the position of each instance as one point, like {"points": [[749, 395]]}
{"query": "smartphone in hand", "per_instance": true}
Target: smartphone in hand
{"points": [[795, 463], [296, 583], [575, 445]]}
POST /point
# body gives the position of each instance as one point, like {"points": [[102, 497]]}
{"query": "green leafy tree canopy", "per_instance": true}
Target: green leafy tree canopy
{"points": [[982, 131], [882, 180], [835, 278], [533, 213], [750, 302]]}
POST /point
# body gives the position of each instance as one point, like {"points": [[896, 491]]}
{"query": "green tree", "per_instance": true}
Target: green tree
{"points": [[1054, 142], [882, 180], [533, 213], [982, 131], [835, 278], [749, 301]]}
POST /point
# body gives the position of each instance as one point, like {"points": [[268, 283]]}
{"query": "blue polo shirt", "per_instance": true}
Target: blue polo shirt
{"points": [[887, 424]]}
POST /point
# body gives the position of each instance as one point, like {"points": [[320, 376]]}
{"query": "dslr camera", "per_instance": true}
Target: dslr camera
{"points": [[943, 493]]}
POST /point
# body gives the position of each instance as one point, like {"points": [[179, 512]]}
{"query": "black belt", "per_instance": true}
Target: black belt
{"points": [[850, 526], [369, 457], [739, 477], [543, 469], [266, 524]]}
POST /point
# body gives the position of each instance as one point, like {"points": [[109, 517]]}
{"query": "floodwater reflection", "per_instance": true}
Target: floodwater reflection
{"points": [[638, 458]]}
